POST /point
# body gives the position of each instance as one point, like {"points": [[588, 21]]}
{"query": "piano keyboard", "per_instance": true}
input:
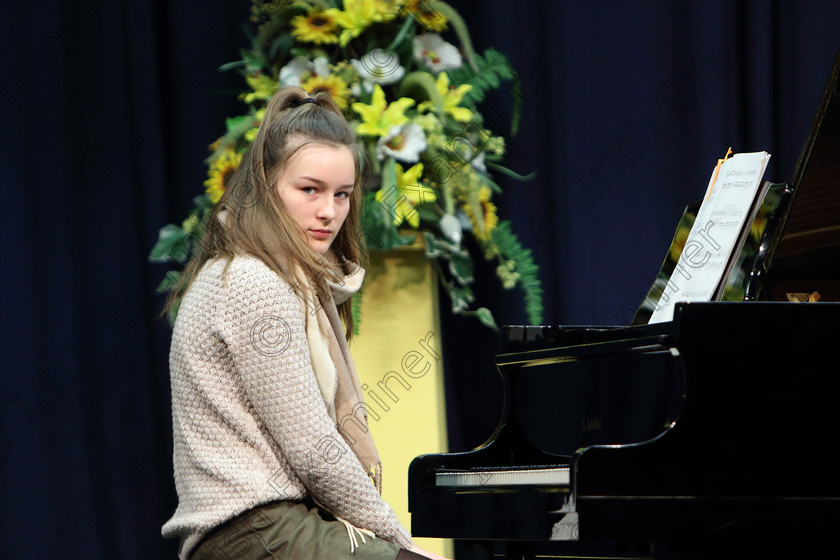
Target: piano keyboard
{"points": [[512, 476]]}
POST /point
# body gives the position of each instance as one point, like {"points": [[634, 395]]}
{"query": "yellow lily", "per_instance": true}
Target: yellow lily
{"points": [[481, 212], [379, 116], [358, 15], [410, 192], [451, 98]]}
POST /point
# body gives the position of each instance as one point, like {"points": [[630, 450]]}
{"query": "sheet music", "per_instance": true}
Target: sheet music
{"points": [[730, 196]]}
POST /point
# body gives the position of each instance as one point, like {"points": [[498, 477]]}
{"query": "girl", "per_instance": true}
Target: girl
{"points": [[272, 454]]}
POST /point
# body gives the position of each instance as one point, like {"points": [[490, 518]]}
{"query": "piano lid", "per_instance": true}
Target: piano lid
{"points": [[813, 217]]}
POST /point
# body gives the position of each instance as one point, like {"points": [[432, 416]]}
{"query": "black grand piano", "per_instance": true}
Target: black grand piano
{"points": [[712, 435]]}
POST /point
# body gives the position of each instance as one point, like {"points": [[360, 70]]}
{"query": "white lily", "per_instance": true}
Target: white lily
{"points": [[437, 54], [478, 162], [378, 67], [404, 142], [450, 226], [291, 73]]}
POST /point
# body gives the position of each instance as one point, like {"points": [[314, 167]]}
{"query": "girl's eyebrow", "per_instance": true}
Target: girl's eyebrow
{"points": [[320, 182]]}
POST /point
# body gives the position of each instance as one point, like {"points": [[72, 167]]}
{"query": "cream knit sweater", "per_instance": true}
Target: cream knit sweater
{"points": [[250, 425]]}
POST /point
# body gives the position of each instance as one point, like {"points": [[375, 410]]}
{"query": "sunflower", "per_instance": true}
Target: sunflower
{"points": [[220, 172], [317, 26], [425, 15], [336, 87]]}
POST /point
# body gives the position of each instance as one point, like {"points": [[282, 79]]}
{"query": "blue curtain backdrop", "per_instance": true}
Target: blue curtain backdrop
{"points": [[106, 109]]}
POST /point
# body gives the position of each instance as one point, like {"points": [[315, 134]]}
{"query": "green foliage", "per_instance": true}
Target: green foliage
{"points": [[490, 71], [512, 250], [493, 69]]}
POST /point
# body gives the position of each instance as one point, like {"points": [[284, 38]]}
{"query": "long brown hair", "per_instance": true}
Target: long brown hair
{"points": [[250, 216]]}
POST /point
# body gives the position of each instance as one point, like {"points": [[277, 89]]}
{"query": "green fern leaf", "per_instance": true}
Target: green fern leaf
{"points": [[493, 68], [529, 280]]}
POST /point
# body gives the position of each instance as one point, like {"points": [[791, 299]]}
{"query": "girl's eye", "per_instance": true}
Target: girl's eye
{"points": [[308, 190], [342, 194]]}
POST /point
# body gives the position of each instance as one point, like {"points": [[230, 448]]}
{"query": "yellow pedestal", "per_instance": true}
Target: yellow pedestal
{"points": [[398, 356]]}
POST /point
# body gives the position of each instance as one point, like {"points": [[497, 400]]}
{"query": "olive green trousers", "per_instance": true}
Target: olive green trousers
{"points": [[289, 530]]}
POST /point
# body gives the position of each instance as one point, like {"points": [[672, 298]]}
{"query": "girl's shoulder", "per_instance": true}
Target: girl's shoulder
{"points": [[241, 269], [239, 280], [227, 292], [246, 277], [243, 264]]}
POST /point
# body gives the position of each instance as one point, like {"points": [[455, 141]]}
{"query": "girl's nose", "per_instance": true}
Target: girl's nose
{"points": [[326, 210]]}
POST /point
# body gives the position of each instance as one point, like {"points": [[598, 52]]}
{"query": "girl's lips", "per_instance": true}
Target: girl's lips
{"points": [[320, 234]]}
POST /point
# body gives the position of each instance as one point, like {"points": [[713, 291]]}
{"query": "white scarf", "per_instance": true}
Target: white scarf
{"points": [[335, 371]]}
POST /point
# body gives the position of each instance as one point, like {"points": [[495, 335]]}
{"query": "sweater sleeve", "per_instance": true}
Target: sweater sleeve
{"points": [[263, 325]]}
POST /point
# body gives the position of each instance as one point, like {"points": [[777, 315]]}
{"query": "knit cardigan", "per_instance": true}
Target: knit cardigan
{"points": [[250, 425]]}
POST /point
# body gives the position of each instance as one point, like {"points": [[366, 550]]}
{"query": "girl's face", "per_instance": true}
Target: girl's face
{"points": [[315, 186]]}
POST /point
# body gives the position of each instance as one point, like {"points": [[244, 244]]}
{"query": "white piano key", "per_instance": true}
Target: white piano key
{"points": [[513, 477]]}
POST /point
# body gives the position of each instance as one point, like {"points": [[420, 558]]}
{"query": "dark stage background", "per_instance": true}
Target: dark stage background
{"points": [[106, 109]]}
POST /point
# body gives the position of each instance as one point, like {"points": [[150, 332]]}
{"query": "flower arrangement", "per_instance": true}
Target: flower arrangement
{"points": [[413, 98]]}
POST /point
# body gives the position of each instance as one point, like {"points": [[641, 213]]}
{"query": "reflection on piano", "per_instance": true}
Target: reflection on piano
{"points": [[711, 435]]}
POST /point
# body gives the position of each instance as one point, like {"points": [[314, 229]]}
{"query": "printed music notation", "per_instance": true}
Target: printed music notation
{"points": [[730, 201]]}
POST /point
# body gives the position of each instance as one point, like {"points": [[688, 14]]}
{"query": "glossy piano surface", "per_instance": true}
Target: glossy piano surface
{"points": [[614, 391], [751, 455], [716, 429]]}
